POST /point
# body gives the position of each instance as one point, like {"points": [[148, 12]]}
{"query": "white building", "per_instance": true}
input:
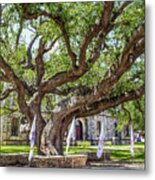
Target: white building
{"points": [[14, 129]]}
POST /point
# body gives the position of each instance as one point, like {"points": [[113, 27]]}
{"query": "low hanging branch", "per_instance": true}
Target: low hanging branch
{"points": [[102, 105], [105, 104]]}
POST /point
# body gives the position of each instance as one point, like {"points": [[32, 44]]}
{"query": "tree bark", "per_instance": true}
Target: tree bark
{"points": [[40, 126], [53, 134], [35, 105], [51, 140]]}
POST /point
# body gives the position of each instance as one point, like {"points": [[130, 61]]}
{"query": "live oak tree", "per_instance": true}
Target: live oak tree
{"points": [[70, 60]]}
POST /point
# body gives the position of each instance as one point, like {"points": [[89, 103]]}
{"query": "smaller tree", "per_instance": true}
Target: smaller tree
{"points": [[130, 112]]}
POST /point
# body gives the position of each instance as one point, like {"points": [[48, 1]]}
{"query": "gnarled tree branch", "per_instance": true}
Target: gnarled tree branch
{"points": [[107, 103], [19, 85], [103, 24], [60, 24], [29, 64], [6, 93]]}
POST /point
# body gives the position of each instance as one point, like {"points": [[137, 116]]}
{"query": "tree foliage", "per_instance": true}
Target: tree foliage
{"points": [[52, 52]]}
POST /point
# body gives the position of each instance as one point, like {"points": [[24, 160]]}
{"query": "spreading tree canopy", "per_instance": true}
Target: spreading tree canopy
{"points": [[70, 60]]}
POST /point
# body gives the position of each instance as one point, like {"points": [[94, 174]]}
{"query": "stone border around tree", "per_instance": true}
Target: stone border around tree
{"points": [[21, 160]]}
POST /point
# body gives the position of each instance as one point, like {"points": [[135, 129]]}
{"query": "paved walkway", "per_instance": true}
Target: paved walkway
{"points": [[117, 166]]}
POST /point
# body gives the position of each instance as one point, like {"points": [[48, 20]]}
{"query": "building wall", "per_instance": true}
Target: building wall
{"points": [[90, 129], [7, 134]]}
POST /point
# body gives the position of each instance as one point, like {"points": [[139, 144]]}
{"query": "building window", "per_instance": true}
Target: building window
{"points": [[14, 127], [116, 132], [98, 128], [79, 131]]}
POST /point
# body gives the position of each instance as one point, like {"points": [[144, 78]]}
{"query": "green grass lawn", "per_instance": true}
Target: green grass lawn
{"points": [[118, 152], [12, 149]]}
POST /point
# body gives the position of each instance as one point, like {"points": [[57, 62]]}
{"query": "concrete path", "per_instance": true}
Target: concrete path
{"points": [[132, 166]]}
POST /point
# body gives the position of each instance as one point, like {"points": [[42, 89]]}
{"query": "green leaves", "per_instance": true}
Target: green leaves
{"points": [[76, 19], [134, 110]]}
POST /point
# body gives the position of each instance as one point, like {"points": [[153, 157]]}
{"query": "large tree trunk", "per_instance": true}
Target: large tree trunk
{"points": [[52, 139], [40, 126], [53, 135], [40, 123]]}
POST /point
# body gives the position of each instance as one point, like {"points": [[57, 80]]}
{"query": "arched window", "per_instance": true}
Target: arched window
{"points": [[98, 127], [116, 132], [14, 127], [79, 130]]}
